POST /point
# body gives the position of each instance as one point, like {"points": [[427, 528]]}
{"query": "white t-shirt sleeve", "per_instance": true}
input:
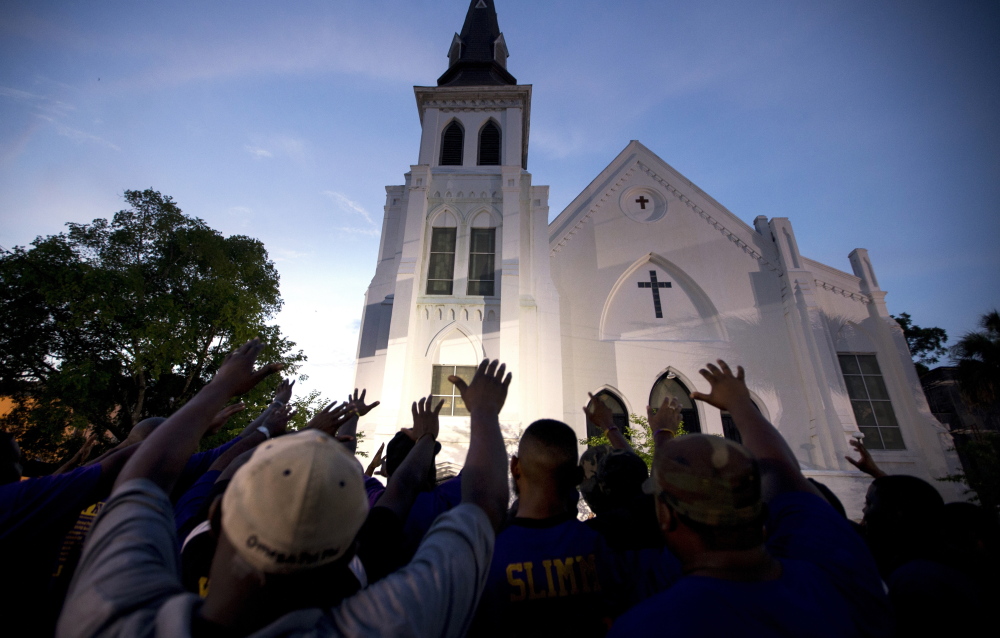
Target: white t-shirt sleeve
{"points": [[437, 592]]}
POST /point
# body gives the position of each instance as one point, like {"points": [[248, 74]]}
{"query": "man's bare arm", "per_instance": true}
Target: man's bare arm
{"points": [[484, 481], [163, 455], [779, 468]]}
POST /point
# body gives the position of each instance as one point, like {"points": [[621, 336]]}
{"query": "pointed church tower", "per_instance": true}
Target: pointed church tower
{"points": [[463, 266]]}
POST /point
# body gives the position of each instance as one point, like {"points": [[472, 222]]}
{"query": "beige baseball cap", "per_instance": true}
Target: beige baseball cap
{"points": [[296, 504]]}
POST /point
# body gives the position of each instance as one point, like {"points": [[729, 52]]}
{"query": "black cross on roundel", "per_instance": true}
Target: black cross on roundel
{"points": [[642, 201], [655, 285]]}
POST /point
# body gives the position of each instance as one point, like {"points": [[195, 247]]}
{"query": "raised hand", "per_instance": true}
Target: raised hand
{"points": [[866, 463], [727, 390], [358, 402], [330, 418], [425, 420], [598, 413], [276, 420], [283, 394], [376, 463], [226, 413], [488, 390], [667, 418], [237, 375]]}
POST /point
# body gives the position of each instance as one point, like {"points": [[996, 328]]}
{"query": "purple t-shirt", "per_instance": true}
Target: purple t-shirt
{"points": [[829, 586]]}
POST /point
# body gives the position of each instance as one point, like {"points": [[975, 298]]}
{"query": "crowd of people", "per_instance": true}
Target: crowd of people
{"points": [[280, 533]]}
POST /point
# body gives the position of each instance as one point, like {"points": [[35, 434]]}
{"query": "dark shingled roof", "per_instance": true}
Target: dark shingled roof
{"points": [[477, 65]]}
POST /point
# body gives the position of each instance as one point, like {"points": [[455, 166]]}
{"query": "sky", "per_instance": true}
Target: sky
{"points": [[868, 123]]}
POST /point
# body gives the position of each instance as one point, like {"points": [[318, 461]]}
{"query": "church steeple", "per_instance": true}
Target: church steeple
{"points": [[478, 55]]}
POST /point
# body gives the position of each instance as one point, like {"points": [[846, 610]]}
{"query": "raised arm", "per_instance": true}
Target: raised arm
{"points": [[164, 453], [274, 423], [600, 415], [484, 480], [412, 473], [779, 468], [866, 463]]}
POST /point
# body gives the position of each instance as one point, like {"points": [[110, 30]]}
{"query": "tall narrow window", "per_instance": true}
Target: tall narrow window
{"points": [[618, 414], [441, 269], [670, 385], [489, 145], [451, 145], [445, 390], [482, 253], [870, 400]]}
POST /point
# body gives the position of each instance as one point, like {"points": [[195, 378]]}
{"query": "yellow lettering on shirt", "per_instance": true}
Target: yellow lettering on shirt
{"points": [[532, 594], [516, 582], [588, 573], [564, 572], [203, 586], [547, 564]]}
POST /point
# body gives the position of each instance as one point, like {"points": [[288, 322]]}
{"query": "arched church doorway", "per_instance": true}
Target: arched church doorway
{"points": [[670, 385]]}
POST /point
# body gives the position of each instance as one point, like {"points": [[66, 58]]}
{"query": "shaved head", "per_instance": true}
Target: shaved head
{"points": [[547, 454]]}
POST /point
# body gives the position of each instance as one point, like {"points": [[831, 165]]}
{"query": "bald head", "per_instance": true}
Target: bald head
{"points": [[144, 428], [547, 454]]}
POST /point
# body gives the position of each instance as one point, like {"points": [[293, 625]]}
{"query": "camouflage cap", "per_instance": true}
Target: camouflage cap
{"points": [[708, 479]]}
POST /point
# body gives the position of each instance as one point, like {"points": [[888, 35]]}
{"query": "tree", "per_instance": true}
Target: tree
{"points": [[926, 344], [977, 355], [978, 358], [114, 321]]}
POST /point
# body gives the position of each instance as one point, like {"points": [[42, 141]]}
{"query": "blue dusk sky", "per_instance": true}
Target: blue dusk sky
{"points": [[868, 123]]}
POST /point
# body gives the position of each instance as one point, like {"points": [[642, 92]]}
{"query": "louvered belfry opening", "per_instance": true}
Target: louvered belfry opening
{"points": [[451, 145], [489, 145]]}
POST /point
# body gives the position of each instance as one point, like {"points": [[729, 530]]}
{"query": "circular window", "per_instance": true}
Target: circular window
{"points": [[643, 204]]}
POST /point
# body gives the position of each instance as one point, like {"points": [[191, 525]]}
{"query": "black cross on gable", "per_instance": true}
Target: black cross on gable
{"points": [[655, 285], [642, 201]]}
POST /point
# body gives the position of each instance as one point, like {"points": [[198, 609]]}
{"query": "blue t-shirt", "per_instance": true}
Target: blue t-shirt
{"points": [[829, 586], [35, 516], [427, 507], [191, 503], [551, 577], [196, 466]]}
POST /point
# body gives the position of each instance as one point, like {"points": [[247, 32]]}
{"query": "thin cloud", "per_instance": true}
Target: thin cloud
{"points": [[79, 136], [257, 152], [348, 206], [368, 232]]}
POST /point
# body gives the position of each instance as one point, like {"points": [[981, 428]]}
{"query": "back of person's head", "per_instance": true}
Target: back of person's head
{"points": [[711, 485], [616, 482], [296, 505], [547, 455], [903, 519], [144, 428], [901, 500], [10, 459], [398, 449]]}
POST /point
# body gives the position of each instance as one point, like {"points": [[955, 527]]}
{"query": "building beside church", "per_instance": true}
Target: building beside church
{"points": [[631, 289]]}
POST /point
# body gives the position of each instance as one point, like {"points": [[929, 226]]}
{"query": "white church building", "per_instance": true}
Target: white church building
{"points": [[631, 289]]}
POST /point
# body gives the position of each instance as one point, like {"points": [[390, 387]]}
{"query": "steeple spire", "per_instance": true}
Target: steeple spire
{"points": [[478, 56]]}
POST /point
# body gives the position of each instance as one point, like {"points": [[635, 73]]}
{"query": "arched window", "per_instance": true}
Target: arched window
{"points": [[618, 412], [670, 385], [489, 144], [451, 145]]}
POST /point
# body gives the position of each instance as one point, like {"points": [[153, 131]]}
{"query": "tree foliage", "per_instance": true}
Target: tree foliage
{"points": [[640, 438], [978, 357], [927, 345], [117, 320]]}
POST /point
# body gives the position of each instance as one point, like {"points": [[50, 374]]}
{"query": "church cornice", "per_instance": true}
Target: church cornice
{"points": [[850, 294], [473, 98]]}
